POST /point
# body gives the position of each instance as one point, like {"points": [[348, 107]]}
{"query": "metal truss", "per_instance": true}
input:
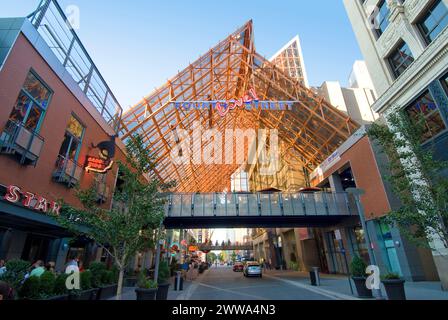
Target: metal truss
{"points": [[308, 133]]}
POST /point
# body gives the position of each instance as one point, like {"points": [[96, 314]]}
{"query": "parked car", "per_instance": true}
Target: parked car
{"points": [[238, 267], [252, 269]]}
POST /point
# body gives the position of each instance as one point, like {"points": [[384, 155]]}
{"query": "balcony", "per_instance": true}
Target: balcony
{"points": [[102, 192], [23, 143], [67, 172]]}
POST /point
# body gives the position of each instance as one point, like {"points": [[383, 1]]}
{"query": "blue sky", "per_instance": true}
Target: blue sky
{"points": [[139, 44]]}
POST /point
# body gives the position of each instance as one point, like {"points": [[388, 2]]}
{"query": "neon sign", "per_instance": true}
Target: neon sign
{"points": [[30, 200], [98, 165]]}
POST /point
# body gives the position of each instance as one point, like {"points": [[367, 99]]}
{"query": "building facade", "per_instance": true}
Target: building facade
{"points": [[405, 45], [290, 60], [359, 163], [355, 100], [50, 127]]}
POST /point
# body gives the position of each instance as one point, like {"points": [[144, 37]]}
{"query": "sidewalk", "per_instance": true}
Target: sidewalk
{"points": [[339, 285]]}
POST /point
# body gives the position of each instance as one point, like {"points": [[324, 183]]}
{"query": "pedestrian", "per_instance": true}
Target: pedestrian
{"points": [[6, 291], [38, 269], [81, 266], [51, 267]]}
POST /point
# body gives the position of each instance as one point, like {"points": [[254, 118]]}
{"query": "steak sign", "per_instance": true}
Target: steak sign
{"points": [[31, 200]]}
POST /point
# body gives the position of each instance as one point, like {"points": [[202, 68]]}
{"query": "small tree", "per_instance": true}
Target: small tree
{"points": [[134, 224], [415, 176]]}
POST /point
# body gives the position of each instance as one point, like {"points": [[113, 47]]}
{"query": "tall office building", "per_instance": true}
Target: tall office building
{"points": [[405, 45], [290, 60]]}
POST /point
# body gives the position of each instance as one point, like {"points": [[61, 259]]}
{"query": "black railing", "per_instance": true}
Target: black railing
{"points": [[25, 143], [67, 171]]}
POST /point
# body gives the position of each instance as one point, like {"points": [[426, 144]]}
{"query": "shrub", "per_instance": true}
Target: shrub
{"points": [[97, 269], [15, 273], [30, 289], [358, 267], [391, 276], [60, 288], [86, 280], [47, 284], [164, 272], [145, 283], [107, 277], [294, 266]]}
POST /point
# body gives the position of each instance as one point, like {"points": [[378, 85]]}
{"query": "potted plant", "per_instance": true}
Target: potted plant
{"points": [[86, 292], [60, 291], [358, 271], [147, 289], [394, 286], [108, 288], [103, 279], [163, 281]]}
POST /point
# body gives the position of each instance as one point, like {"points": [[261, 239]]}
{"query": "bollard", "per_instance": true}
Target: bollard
{"points": [[178, 282], [315, 277]]}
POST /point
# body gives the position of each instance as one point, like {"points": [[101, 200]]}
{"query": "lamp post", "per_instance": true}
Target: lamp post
{"points": [[357, 193]]}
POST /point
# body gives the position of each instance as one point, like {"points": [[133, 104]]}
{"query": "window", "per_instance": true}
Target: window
{"points": [[32, 103], [400, 59], [380, 18], [434, 21], [72, 140], [426, 106]]}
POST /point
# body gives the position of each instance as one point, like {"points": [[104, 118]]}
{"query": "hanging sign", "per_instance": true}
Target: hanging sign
{"points": [[31, 200], [97, 165], [103, 162]]}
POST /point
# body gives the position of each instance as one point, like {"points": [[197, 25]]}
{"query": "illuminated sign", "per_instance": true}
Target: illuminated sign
{"points": [[31, 200], [248, 101], [193, 248], [98, 165], [103, 162]]}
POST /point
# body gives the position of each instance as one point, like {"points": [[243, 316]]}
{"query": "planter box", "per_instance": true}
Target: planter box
{"points": [[361, 288], [146, 294], [85, 295], [107, 292], [395, 289], [162, 291]]}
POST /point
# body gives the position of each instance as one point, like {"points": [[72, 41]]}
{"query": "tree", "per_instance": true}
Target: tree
{"points": [[415, 176], [233, 257], [134, 224], [212, 257]]}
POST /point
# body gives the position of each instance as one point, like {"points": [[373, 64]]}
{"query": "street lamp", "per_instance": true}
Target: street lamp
{"points": [[357, 193]]}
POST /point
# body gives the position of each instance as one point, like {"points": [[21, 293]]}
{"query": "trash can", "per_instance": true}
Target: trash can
{"points": [[178, 282], [315, 277]]}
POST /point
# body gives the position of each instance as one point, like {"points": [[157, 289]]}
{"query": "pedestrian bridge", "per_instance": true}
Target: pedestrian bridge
{"points": [[226, 247], [263, 210]]}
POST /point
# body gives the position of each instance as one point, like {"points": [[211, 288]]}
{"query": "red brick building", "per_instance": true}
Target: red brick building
{"points": [[55, 107]]}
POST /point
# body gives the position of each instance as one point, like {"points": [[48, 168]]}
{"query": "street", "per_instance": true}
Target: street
{"points": [[223, 284]]}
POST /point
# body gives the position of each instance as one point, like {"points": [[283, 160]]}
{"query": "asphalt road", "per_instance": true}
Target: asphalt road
{"points": [[223, 284]]}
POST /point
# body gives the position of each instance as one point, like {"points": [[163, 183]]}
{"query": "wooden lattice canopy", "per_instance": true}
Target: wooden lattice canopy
{"points": [[308, 134]]}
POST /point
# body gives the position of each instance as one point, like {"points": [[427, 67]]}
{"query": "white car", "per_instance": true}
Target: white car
{"points": [[253, 269]]}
